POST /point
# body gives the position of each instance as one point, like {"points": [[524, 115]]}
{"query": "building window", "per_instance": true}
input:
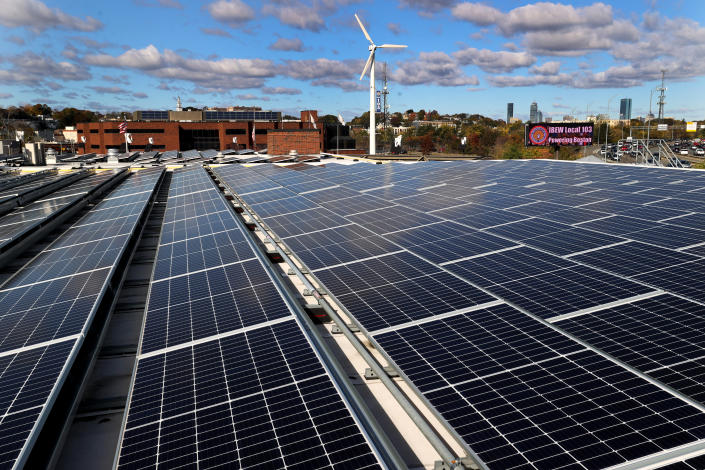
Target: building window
{"points": [[145, 131], [199, 139], [94, 131], [95, 146], [235, 131], [260, 131], [112, 131]]}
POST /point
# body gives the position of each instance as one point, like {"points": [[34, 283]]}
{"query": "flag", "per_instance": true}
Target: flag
{"points": [[253, 134], [463, 140], [340, 118], [123, 127], [310, 117], [128, 137], [397, 141]]}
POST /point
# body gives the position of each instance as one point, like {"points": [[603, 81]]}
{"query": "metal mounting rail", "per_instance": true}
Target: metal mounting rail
{"points": [[450, 459]]}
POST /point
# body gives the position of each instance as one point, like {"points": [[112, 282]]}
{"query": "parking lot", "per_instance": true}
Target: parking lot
{"points": [[688, 151]]}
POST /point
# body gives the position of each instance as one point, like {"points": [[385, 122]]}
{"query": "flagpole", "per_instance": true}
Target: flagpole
{"points": [[337, 138], [127, 149]]}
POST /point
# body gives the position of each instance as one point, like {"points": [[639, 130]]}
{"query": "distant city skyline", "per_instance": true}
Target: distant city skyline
{"points": [[289, 55]]}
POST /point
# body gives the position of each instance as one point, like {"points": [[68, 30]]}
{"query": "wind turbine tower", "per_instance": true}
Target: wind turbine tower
{"points": [[370, 65], [662, 96]]}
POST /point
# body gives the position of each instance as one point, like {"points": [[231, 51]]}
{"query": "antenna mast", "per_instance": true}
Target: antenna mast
{"points": [[662, 96]]}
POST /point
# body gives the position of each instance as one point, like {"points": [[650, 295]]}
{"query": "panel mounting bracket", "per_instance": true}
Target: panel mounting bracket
{"points": [[465, 463], [336, 329], [391, 372]]}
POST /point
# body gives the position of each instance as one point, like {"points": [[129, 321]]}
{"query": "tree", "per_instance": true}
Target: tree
{"points": [[39, 110], [395, 119], [363, 121], [421, 115], [426, 144], [71, 116], [328, 119]]}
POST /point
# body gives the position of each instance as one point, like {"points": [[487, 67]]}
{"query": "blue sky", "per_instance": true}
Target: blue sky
{"points": [[290, 55]]}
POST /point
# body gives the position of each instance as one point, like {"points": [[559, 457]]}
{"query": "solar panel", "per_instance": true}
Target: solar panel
{"points": [[519, 392], [255, 399], [447, 241], [225, 374], [47, 308]]}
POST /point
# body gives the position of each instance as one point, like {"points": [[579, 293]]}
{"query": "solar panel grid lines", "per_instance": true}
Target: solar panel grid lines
{"points": [[28, 378], [650, 292], [40, 313], [339, 451]]}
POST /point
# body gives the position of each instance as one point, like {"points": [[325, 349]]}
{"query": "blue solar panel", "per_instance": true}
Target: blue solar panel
{"points": [[48, 306], [519, 392], [225, 375]]}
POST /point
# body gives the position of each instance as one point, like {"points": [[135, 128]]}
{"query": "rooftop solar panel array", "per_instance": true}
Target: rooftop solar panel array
{"points": [[47, 308], [27, 218], [547, 311], [225, 375]]}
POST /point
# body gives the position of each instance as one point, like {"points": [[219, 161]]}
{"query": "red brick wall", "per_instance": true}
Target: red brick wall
{"points": [[304, 141], [100, 140]]}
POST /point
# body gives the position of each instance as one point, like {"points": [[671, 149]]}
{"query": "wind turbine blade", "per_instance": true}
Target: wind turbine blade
{"points": [[364, 31], [367, 65], [392, 45]]}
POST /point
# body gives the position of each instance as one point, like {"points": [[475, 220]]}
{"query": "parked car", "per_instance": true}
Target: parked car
{"points": [[700, 152], [684, 152]]}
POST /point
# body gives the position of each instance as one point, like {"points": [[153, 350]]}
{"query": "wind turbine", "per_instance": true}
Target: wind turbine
{"points": [[370, 65]]}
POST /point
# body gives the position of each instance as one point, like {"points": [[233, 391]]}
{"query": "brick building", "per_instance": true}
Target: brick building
{"points": [[304, 141], [200, 135]]}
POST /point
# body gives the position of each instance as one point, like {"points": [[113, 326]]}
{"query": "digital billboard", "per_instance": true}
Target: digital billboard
{"points": [[563, 133]]}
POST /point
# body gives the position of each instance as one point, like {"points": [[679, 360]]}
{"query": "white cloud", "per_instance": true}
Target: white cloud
{"points": [[297, 15], [395, 28], [548, 68], [33, 69], [121, 79], [494, 61], [280, 91], [16, 40], [578, 41], [216, 32], [477, 13], [113, 90], [231, 12], [35, 15], [251, 97], [522, 81], [4, 96], [345, 85], [436, 68], [427, 6], [222, 74], [321, 68], [284, 44], [541, 16]]}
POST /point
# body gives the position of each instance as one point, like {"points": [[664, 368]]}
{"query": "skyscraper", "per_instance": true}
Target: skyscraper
{"points": [[625, 108], [510, 111], [534, 112]]}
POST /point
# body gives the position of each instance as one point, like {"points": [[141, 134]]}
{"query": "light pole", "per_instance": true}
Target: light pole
{"points": [[607, 127], [648, 118]]}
